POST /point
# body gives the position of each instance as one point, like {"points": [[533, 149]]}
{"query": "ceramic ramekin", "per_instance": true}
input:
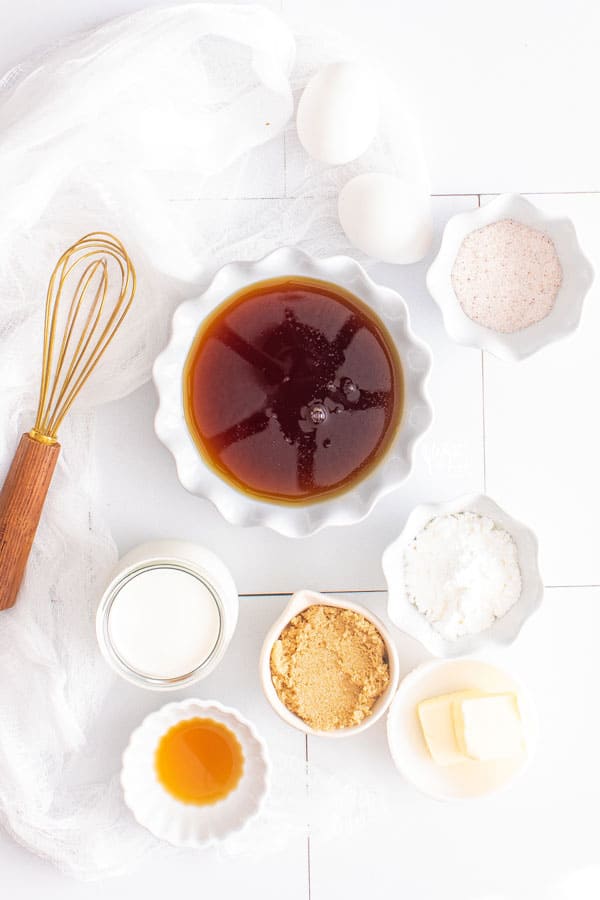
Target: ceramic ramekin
{"points": [[504, 630], [463, 781], [188, 824], [563, 318], [299, 602], [293, 520]]}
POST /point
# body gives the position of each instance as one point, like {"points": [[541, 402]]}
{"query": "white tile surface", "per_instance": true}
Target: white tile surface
{"points": [[543, 432], [520, 844], [506, 97], [524, 843], [208, 873], [503, 92]]}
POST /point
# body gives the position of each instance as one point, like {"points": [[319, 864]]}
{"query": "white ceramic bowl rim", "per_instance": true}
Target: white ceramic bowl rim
{"points": [[504, 630], [299, 602], [184, 824], [564, 318], [239, 508]]}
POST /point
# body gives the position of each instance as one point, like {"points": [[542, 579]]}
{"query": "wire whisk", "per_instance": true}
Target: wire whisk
{"points": [[89, 294], [86, 266]]}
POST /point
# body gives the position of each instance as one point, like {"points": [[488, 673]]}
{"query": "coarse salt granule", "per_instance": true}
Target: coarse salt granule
{"points": [[506, 276], [462, 572]]}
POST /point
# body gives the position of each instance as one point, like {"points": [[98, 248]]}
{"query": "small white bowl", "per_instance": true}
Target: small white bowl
{"points": [[504, 630], [299, 602], [463, 781], [188, 824], [237, 507], [563, 319]]}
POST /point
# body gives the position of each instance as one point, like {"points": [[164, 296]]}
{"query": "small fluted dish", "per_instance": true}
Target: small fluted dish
{"points": [[503, 630], [467, 780], [292, 520], [298, 603], [189, 824], [563, 319]]}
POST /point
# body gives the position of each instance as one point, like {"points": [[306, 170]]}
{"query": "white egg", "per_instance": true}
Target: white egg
{"points": [[338, 112], [385, 217]]}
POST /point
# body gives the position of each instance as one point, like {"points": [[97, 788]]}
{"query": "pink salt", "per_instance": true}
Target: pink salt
{"points": [[506, 276]]}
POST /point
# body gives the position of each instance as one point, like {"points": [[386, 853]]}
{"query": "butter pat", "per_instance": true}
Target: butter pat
{"points": [[437, 724], [488, 726]]}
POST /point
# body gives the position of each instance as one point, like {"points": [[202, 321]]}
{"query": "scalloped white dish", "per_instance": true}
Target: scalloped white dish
{"points": [[292, 520], [504, 630], [562, 320], [188, 824], [466, 780], [300, 601]]}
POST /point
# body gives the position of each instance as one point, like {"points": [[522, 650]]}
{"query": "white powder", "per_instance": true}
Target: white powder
{"points": [[506, 276], [462, 572], [164, 622]]}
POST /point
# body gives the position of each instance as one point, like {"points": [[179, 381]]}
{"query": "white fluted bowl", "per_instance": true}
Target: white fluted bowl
{"points": [[502, 631], [561, 321], [295, 520], [188, 824]]}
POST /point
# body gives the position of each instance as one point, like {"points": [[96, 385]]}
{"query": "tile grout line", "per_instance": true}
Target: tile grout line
{"points": [[483, 400], [434, 196], [556, 587], [307, 771], [532, 193], [254, 594], [285, 147], [483, 434], [327, 591]]}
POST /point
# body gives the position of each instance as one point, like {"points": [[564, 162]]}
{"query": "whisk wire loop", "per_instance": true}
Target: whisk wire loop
{"points": [[103, 292]]}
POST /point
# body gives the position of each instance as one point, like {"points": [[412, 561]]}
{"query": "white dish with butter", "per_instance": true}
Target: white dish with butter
{"points": [[467, 779]]}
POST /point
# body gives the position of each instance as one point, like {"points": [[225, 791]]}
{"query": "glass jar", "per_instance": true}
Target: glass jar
{"points": [[180, 613]]}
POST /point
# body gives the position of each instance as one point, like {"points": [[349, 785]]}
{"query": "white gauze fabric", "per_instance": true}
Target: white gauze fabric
{"points": [[173, 129]]}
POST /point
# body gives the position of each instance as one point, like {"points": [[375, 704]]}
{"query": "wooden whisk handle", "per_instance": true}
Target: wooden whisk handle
{"points": [[21, 501]]}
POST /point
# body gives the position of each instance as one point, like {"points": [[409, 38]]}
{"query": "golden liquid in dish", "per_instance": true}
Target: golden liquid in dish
{"points": [[293, 390], [199, 761]]}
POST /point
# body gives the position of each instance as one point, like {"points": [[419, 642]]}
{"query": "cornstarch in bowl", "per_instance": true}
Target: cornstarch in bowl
{"points": [[462, 573]]}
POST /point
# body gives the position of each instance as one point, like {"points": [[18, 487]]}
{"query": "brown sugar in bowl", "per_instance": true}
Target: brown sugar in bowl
{"points": [[300, 602]]}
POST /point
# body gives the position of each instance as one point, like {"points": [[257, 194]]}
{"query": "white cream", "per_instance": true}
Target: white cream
{"points": [[164, 622]]}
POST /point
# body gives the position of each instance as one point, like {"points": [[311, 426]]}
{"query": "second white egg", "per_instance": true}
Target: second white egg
{"points": [[386, 217], [338, 112]]}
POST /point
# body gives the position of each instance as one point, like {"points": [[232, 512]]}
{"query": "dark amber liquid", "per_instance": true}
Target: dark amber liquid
{"points": [[293, 390], [199, 761]]}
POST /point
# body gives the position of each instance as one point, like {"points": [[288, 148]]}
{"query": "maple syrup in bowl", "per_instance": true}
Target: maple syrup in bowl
{"points": [[292, 392]]}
